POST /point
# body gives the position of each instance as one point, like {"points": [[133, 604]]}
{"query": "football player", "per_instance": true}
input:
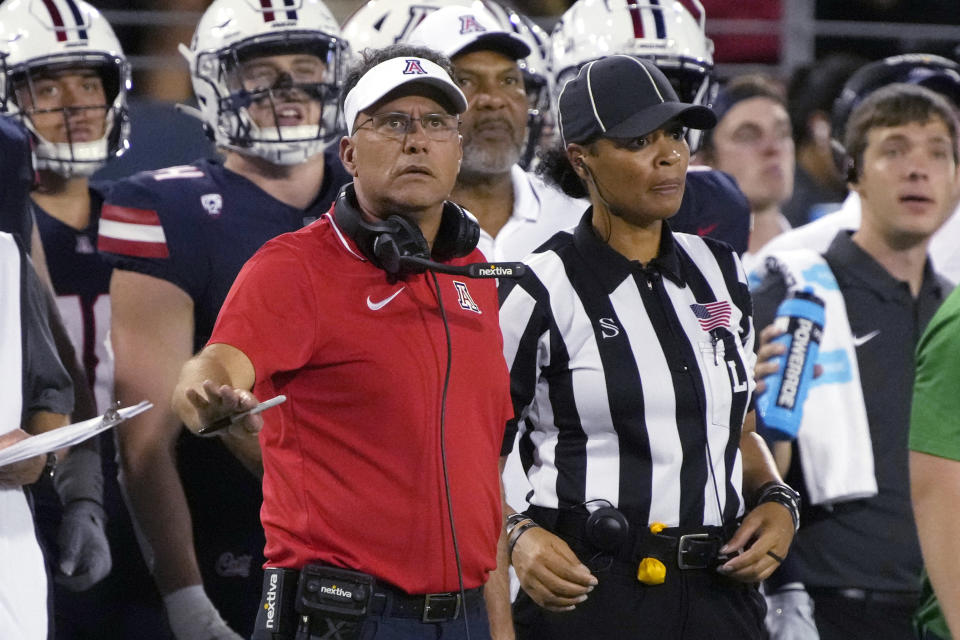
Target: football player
{"points": [[66, 81]]}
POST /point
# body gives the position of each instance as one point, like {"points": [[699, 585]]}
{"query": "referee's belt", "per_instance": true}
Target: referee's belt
{"points": [[680, 547]]}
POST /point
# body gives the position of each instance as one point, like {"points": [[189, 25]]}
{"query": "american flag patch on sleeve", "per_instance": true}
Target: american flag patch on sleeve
{"points": [[712, 314], [132, 232]]}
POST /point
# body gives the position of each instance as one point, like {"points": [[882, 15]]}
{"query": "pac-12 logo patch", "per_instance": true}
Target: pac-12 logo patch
{"points": [[464, 299], [414, 67], [212, 203]]}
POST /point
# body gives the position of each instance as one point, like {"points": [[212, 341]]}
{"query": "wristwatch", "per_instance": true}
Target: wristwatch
{"points": [[50, 468]]}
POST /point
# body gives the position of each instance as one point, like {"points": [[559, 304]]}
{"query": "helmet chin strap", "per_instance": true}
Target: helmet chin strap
{"points": [[285, 145], [72, 159], [298, 133], [281, 153], [79, 159]]}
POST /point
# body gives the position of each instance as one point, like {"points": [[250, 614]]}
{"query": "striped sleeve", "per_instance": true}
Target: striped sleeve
{"points": [[133, 232], [146, 227]]}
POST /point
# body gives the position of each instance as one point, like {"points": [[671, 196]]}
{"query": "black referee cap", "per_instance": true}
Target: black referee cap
{"points": [[623, 97]]}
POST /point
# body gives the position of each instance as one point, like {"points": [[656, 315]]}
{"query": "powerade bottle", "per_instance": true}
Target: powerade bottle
{"points": [[801, 316]]}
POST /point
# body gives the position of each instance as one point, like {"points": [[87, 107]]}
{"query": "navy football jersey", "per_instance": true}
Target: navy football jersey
{"points": [[195, 226], [81, 281], [713, 206], [16, 179]]}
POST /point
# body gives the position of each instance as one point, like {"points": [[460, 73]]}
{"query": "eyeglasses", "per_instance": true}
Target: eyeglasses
{"points": [[395, 126]]}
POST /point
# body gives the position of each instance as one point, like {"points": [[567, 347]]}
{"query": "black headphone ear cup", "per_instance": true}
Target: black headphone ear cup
{"points": [[349, 219], [402, 239], [852, 175], [842, 161], [458, 234], [607, 529], [385, 242]]}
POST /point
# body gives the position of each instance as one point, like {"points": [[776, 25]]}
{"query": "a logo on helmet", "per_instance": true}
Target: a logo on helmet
{"points": [[60, 26], [413, 68], [266, 7], [469, 24], [416, 14]]}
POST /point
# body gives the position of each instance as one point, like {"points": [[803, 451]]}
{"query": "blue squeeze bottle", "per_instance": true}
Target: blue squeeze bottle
{"points": [[780, 407]]}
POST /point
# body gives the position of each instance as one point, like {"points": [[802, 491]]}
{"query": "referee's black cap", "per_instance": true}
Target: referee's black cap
{"points": [[622, 96]]}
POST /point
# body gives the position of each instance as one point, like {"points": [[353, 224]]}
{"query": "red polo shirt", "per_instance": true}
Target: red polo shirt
{"points": [[352, 461]]}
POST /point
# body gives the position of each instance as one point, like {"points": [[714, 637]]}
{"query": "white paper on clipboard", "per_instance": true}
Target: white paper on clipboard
{"points": [[69, 435]]}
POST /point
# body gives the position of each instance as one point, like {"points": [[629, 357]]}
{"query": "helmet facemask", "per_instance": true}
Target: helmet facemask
{"points": [[282, 115], [71, 158], [538, 112]]}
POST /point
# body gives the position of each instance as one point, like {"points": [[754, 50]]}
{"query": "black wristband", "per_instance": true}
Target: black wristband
{"points": [[515, 535], [781, 493], [514, 519]]}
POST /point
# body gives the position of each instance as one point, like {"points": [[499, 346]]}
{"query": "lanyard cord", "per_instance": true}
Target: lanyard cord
{"points": [[443, 453]]}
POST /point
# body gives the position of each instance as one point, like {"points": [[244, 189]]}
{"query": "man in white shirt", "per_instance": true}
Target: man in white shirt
{"points": [[517, 211]]}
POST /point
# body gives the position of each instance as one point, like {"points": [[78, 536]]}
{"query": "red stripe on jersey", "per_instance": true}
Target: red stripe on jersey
{"points": [[267, 6], [57, 20], [133, 248], [130, 215], [637, 21]]}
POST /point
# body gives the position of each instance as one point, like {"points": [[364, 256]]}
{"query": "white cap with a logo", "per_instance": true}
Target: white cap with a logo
{"points": [[387, 76], [456, 30]]}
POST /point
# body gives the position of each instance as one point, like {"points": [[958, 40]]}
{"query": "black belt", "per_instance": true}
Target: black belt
{"points": [[868, 596], [430, 607], [391, 602], [331, 602], [681, 547]]}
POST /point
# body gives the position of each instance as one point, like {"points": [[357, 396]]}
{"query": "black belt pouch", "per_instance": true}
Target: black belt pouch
{"points": [[277, 616]]}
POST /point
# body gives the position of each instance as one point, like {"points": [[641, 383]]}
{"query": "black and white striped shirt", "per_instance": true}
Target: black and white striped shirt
{"points": [[619, 373]]}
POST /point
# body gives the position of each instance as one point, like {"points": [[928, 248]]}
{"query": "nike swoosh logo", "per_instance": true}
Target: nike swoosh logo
{"points": [[859, 341], [376, 306], [710, 228]]}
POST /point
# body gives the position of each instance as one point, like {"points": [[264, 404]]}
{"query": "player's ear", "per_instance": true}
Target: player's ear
{"points": [[347, 155]]}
